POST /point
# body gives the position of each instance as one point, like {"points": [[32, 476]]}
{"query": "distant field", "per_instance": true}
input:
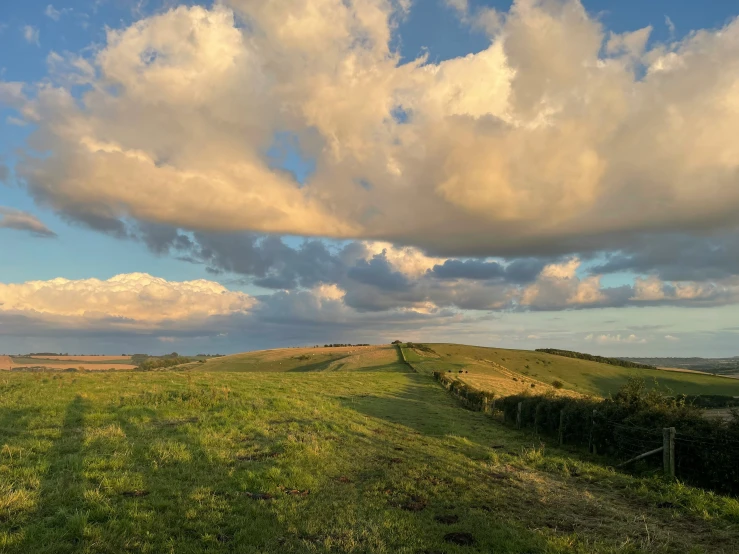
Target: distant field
{"points": [[5, 363], [91, 363], [345, 358], [77, 365], [118, 359], [582, 376], [73, 360]]}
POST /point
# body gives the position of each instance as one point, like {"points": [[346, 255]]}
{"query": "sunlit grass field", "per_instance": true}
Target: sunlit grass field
{"points": [[328, 461], [344, 358], [543, 369]]}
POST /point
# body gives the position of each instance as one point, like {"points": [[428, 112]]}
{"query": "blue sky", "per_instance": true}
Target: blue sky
{"points": [[621, 275]]}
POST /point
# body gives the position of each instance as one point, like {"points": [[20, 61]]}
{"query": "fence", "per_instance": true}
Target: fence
{"points": [[673, 438], [402, 357]]}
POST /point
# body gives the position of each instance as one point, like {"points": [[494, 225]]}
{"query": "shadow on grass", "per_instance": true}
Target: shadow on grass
{"points": [[422, 405], [14, 422], [61, 496], [201, 502]]}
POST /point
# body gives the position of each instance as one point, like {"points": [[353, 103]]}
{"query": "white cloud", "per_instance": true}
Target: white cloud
{"points": [[407, 260], [558, 286], [31, 35], [649, 288], [612, 339], [329, 292], [672, 338], [127, 301]]}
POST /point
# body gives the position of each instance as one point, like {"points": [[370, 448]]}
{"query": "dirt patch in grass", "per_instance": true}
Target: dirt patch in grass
{"points": [[460, 538], [83, 358], [135, 493]]}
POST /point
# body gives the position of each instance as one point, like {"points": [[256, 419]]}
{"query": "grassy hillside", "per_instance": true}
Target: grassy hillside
{"points": [[376, 461], [345, 358], [494, 366]]}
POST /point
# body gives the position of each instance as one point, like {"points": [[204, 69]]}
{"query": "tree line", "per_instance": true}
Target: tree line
{"points": [[592, 358]]}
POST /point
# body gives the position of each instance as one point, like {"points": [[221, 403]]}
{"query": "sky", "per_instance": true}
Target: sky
{"points": [[243, 174]]}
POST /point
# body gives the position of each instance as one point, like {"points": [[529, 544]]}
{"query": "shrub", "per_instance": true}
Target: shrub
{"points": [[592, 358], [705, 450], [557, 384]]}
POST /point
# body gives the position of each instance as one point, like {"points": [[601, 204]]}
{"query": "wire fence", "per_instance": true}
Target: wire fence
{"points": [[678, 441]]}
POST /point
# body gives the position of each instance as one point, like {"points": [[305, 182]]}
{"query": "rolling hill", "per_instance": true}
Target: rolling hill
{"points": [[499, 367], [344, 358], [323, 450]]}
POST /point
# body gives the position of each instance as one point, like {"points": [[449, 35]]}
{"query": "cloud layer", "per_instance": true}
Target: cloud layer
{"points": [[559, 137]]}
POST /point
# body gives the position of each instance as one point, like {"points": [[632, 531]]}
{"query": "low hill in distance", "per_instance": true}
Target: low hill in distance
{"points": [[719, 366], [344, 358], [500, 365]]}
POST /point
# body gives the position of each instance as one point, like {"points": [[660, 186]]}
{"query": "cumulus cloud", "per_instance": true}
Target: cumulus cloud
{"points": [[380, 276], [22, 221], [138, 307], [558, 137], [611, 339], [558, 286], [129, 301]]}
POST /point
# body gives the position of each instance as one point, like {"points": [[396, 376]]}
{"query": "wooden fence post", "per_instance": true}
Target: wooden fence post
{"points": [[518, 415], [561, 427], [668, 451], [492, 409], [591, 444], [484, 404]]}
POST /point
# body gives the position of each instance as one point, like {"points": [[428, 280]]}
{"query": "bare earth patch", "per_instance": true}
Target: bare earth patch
{"points": [[75, 364], [5, 363], [83, 358]]}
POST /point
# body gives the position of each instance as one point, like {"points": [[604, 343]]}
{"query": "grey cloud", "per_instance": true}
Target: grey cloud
{"points": [[23, 221], [468, 269], [98, 222], [522, 270], [678, 257], [377, 272]]}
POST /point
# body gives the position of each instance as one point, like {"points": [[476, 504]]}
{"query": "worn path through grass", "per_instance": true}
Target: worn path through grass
{"points": [[311, 462]]}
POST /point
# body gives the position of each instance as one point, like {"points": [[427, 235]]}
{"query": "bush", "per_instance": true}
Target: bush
{"points": [[706, 450], [592, 358], [557, 384], [162, 363]]}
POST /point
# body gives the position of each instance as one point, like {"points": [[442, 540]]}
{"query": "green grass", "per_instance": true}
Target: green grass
{"points": [[376, 461], [352, 358], [579, 375]]}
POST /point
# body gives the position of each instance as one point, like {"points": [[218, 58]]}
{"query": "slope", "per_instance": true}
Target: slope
{"points": [[502, 366], [311, 462], [346, 358]]}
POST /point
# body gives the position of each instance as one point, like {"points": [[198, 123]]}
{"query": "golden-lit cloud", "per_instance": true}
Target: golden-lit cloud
{"points": [[135, 300], [559, 132]]}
